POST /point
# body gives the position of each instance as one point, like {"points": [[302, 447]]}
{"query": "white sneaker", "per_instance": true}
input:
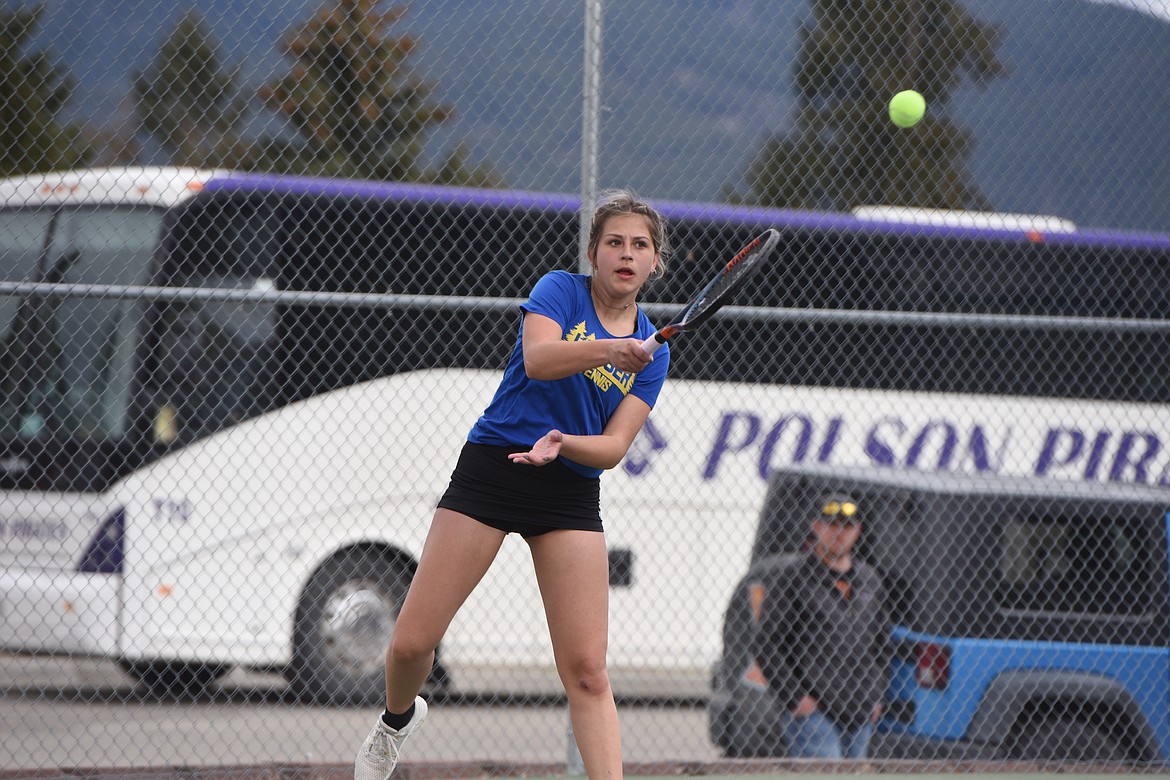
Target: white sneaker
{"points": [[379, 754]]}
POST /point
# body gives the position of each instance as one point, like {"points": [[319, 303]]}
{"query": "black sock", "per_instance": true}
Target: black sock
{"points": [[396, 722]]}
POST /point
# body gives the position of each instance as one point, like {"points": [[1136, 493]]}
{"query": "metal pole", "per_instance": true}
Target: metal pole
{"points": [[590, 137], [590, 125], [770, 314], [574, 764]]}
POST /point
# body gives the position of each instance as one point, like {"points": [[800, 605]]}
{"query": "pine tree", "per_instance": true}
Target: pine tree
{"points": [[189, 100], [34, 92], [842, 150], [361, 110]]}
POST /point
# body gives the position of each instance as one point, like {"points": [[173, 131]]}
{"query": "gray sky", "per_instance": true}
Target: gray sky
{"points": [[1160, 8]]}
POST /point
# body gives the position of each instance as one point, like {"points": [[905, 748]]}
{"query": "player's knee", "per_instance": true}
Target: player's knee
{"points": [[407, 647], [588, 677]]}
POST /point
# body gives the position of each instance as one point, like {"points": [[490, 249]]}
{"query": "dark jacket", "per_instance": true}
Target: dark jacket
{"points": [[812, 640]]}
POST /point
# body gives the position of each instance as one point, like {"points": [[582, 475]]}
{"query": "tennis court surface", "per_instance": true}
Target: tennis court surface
{"points": [[714, 770]]}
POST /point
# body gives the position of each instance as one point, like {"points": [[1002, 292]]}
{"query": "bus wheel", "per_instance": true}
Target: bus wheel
{"points": [[174, 679], [344, 622]]}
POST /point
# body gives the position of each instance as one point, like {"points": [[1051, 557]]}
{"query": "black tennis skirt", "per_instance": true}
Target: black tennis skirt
{"points": [[528, 500]]}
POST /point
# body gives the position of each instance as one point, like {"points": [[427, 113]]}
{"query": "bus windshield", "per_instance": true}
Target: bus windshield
{"points": [[66, 363]]}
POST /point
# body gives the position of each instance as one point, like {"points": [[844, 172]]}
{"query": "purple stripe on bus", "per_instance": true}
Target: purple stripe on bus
{"points": [[673, 210]]}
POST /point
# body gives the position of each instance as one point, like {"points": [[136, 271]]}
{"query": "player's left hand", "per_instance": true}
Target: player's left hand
{"points": [[543, 452]]}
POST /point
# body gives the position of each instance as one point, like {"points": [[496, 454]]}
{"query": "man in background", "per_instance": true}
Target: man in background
{"points": [[823, 639]]}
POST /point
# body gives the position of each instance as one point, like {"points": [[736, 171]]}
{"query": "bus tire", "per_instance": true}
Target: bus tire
{"points": [[174, 679], [1065, 739], [344, 621]]}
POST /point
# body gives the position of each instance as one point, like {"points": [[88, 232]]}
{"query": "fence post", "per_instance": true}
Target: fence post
{"points": [[590, 138], [574, 764], [590, 125]]}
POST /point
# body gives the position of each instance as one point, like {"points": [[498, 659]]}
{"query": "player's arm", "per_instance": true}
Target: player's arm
{"points": [[548, 356], [608, 449], [603, 451], [774, 640]]}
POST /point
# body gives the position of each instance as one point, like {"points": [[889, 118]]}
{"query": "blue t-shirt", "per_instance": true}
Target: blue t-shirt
{"points": [[525, 409]]}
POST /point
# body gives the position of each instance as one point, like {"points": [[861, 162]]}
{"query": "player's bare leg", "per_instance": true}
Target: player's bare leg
{"points": [[572, 569], [456, 555]]}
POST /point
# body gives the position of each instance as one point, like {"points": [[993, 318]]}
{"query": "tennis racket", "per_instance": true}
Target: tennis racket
{"points": [[719, 290]]}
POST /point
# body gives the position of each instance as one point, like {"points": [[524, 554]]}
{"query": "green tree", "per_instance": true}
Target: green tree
{"points": [[359, 107], [34, 92], [456, 169], [842, 150], [190, 100]]}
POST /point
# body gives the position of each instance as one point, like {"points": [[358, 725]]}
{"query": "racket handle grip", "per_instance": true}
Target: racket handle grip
{"points": [[652, 344]]}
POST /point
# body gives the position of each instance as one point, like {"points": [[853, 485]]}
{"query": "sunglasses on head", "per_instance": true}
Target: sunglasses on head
{"points": [[840, 510]]}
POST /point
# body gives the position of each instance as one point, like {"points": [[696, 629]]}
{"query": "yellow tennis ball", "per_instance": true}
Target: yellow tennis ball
{"points": [[907, 108]]}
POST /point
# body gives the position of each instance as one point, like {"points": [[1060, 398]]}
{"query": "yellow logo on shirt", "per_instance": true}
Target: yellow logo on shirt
{"points": [[606, 376]]}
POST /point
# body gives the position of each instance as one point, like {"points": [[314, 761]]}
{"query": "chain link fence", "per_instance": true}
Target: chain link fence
{"points": [[260, 271]]}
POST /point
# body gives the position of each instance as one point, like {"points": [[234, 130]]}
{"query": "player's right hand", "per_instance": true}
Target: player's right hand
{"points": [[628, 355]]}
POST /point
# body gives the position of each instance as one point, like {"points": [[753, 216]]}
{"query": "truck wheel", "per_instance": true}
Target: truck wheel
{"points": [[1065, 739], [174, 679], [344, 621]]}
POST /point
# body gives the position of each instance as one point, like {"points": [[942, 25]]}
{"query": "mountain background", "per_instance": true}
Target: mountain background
{"points": [[692, 87]]}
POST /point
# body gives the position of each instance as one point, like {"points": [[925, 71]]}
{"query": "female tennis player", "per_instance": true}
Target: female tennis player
{"points": [[576, 390]]}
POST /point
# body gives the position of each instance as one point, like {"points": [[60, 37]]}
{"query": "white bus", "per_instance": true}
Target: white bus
{"points": [[229, 402]]}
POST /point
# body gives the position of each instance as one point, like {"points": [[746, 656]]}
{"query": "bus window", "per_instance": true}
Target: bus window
{"points": [[835, 270], [76, 368], [212, 359], [22, 241], [315, 242], [233, 236], [95, 339], [392, 246]]}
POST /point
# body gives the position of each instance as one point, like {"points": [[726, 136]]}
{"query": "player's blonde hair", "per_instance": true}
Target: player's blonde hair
{"points": [[624, 201]]}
